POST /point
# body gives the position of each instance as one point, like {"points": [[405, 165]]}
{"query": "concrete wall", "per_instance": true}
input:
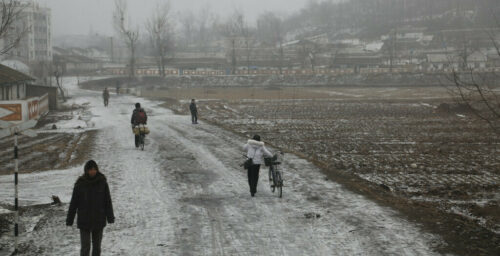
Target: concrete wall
{"points": [[38, 90], [25, 110]]}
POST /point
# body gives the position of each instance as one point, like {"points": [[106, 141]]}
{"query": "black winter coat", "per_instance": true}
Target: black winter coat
{"points": [[133, 119], [192, 108], [92, 200]]}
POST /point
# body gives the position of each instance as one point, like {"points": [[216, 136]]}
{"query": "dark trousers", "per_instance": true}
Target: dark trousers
{"points": [[106, 101], [85, 235], [136, 141], [194, 118], [253, 177]]}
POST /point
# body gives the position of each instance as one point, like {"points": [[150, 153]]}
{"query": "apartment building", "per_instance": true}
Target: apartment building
{"points": [[36, 44]]}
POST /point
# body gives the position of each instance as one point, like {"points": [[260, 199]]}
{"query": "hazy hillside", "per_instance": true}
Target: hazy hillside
{"points": [[371, 18]]}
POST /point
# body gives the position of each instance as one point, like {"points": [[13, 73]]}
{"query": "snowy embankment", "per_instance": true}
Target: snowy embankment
{"points": [[185, 194]]}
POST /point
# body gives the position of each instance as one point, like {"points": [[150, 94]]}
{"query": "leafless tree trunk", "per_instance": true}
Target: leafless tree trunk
{"points": [[312, 59], [235, 28], [10, 34], [248, 56], [247, 36], [204, 21], [159, 29], [187, 22], [57, 75], [281, 57], [270, 30], [233, 57], [129, 35]]}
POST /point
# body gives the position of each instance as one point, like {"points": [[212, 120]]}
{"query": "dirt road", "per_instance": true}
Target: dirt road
{"points": [[185, 194]]}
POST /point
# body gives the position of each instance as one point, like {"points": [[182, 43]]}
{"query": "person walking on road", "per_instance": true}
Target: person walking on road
{"points": [[117, 88], [139, 116], [91, 201], [194, 112], [105, 96], [255, 150]]}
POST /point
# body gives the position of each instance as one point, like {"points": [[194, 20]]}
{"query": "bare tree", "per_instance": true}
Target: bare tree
{"points": [[306, 53], [270, 30], [187, 21], [248, 47], [12, 29], [129, 35], [204, 21], [160, 32], [479, 91], [234, 29]]}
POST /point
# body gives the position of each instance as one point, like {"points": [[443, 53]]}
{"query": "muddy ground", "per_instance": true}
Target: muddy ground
{"points": [[51, 149], [413, 149]]}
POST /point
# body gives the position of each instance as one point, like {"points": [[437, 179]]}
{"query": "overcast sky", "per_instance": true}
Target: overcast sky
{"points": [[82, 16]]}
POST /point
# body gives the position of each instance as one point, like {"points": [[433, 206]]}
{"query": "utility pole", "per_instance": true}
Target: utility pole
{"points": [[393, 38], [112, 49], [391, 50], [233, 59], [281, 57]]}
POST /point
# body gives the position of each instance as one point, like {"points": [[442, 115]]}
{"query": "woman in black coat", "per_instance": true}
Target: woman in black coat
{"points": [[92, 201]]}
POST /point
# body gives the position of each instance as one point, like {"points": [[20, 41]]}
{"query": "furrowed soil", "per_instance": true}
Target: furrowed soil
{"points": [[51, 149], [413, 149]]}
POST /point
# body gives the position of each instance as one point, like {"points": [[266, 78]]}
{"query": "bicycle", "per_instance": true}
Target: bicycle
{"points": [[275, 176], [141, 130]]}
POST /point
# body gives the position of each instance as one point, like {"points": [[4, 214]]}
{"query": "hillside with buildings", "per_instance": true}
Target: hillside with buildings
{"points": [[324, 37]]}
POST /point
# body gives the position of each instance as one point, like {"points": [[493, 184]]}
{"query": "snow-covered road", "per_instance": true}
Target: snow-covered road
{"points": [[185, 194]]}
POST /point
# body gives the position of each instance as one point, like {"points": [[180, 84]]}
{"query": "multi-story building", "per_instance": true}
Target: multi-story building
{"points": [[35, 45]]}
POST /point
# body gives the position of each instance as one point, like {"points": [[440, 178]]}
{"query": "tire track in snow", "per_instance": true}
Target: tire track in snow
{"points": [[188, 196], [207, 141]]}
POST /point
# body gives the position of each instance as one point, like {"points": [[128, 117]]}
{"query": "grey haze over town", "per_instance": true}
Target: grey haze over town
{"points": [[232, 127], [85, 16]]}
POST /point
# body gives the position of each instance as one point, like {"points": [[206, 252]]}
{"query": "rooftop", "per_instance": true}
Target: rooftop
{"points": [[11, 76]]}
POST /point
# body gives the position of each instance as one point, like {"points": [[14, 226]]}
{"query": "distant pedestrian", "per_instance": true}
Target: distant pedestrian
{"points": [[91, 201], [255, 150], [117, 87], [194, 112], [105, 96]]}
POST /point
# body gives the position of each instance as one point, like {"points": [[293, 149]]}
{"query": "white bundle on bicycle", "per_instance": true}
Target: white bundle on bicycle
{"points": [[140, 129]]}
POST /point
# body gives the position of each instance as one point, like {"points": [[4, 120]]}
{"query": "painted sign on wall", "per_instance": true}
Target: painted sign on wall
{"points": [[11, 112], [23, 110], [33, 107]]}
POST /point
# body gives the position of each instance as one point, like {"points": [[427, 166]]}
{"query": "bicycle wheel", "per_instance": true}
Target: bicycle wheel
{"points": [[276, 181], [279, 183], [271, 180], [142, 141]]}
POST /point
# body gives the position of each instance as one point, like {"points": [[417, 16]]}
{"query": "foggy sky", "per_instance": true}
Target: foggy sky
{"points": [[83, 16]]}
